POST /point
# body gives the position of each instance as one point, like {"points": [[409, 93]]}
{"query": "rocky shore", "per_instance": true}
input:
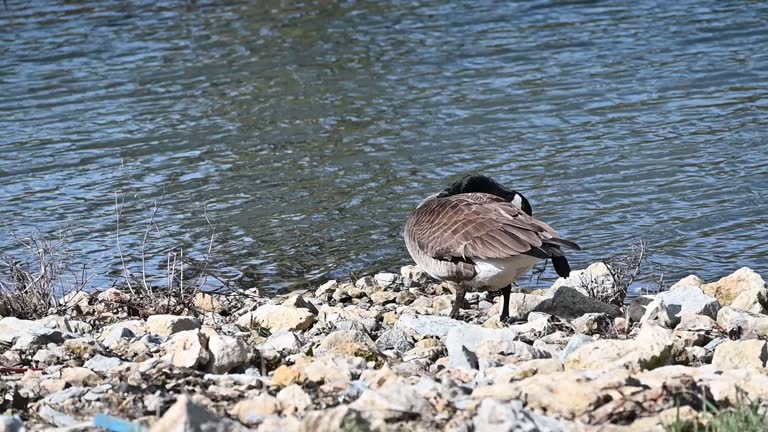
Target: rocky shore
{"points": [[380, 354]]}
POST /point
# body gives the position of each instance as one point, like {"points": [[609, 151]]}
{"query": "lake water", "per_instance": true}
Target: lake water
{"points": [[306, 132]]}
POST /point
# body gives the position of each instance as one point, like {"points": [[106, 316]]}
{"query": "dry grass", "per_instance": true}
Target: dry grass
{"points": [[33, 279]]}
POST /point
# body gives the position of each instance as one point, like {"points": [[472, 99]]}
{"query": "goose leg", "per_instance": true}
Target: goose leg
{"points": [[506, 292], [457, 301]]}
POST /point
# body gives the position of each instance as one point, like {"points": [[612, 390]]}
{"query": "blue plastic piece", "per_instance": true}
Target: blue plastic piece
{"points": [[115, 424]]}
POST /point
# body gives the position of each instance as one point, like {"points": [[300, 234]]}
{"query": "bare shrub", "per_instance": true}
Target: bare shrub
{"points": [[33, 279]]}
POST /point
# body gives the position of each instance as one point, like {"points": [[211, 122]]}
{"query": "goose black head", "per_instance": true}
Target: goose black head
{"points": [[485, 184]]}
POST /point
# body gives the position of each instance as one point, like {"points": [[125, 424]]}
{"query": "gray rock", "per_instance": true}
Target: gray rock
{"points": [[394, 402], [80, 327], [576, 342], [56, 417], [185, 412], [13, 328], [166, 325], [226, 353], [690, 300], [284, 342], [387, 280], [568, 302], [340, 418], [465, 358], [56, 322], [11, 424], [592, 323], [395, 339], [426, 325], [115, 334], [495, 416], [596, 281], [64, 395], [658, 312], [101, 364], [636, 308], [351, 325], [738, 323], [471, 336]]}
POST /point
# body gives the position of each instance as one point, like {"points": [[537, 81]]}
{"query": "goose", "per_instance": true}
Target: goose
{"points": [[480, 234]]}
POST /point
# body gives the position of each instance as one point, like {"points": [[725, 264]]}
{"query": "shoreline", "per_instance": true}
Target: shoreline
{"points": [[380, 353]]}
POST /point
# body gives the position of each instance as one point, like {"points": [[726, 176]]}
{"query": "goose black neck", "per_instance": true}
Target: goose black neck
{"points": [[485, 184]]}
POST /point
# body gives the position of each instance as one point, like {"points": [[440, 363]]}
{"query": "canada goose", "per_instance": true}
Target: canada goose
{"points": [[481, 234]]}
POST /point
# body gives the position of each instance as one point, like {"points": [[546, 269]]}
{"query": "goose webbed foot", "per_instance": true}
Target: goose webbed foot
{"points": [[457, 302]]}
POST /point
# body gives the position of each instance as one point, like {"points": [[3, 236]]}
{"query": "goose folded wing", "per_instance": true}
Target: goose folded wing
{"points": [[477, 226]]}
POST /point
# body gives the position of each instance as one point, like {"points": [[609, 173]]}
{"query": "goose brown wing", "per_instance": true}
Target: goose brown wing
{"points": [[476, 225]]}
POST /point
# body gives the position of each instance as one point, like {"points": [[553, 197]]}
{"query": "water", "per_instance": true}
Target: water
{"points": [[307, 132]]}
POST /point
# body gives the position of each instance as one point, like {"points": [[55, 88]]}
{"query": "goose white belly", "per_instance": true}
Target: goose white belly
{"points": [[493, 274]]}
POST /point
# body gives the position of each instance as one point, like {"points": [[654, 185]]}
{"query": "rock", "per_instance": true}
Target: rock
{"points": [[592, 323], [576, 342], [568, 302], [504, 351], [187, 416], [283, 342], [187, 349], [252, 411], [383, 297], [386, 280], [349, 343], [393, 402], [653, 347], [567, 394], [495, 416], [56, 417], [284, 376], [226, 353], [208, 303], [117, 333], [79, 376], [327, 288], [412, 274], [297, 301], [80, 327], [742, 323], [10, 423], [637, 306], [595, 282], [72, 393], [740, 354], [166, 325], [426, 325], [277, 318], [32, 342], [468, 337], [657, 312], [696, 330], [743, 289], [83, 348], [113, 295], [333, 369], [689, 300], [688, 281], [103, 365], [394, 339], [293, 399], [79, 299], [13, 328], [340, 418], [56, 322], [520, 305], [366, 283]]}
